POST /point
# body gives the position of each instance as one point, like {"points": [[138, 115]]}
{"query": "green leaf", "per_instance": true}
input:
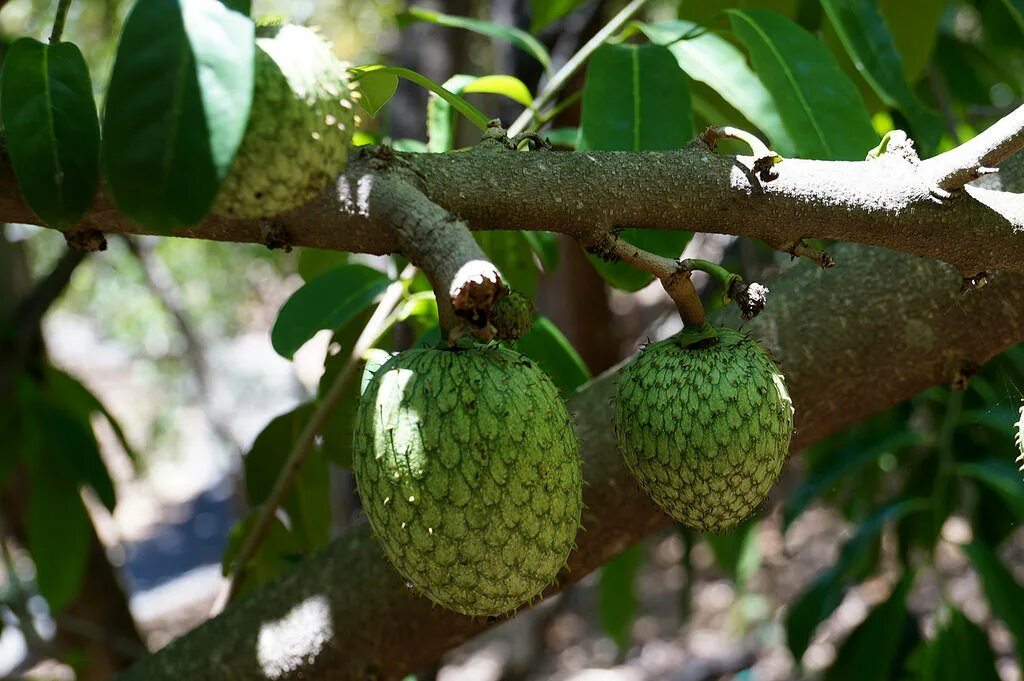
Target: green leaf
{"points": [[1001, 477], [176, 108], [870, 650], [617, 600], [377, 88], [738, 551], [461, 105], [52, 131], [308, 502], [511, 254], [856, 560], [546, 345], [1016, 10], [279, 551], [819, 105], [549, 11], [521, 39], [509, 86], [545, 247], [960, 650], [563, 137], [840, 467], [1005, 595], [914, 27], [870, 45], [337, 434], [714, 61], [326, 302], [69, 443], [315, 261], [59, 533], [243, 6], [71, 394], [636, 98]]}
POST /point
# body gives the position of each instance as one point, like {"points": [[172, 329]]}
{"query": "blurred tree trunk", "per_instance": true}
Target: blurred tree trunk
{"points": [[96, 631]]}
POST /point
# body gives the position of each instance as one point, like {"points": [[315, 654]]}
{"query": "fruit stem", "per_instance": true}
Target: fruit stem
{"points": [[674, 276], [58, 22]]}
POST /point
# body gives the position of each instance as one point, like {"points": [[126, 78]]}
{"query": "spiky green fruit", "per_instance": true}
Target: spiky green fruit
{"points": [[469, 472], [704, 428], [300, 126]]}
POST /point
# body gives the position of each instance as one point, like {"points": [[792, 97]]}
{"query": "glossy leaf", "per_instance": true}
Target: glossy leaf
{"points": [[635, 98], [1000, 477], [548, 11], [521, 39], [52, 131], [58, 534], [617, 601], [441, 116], [914, 27], [243, 6], [546, 345], [308, 502], [315, 261], [326, 302], [1005, 595], [960, 650], [377, 88], [709, 12], [818, 104], [461, 105], [176, 109], [714, 61], [870, 44], [509, 86], [870, 649]]}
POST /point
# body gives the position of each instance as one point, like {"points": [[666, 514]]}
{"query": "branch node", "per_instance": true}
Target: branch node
{"points": [[800, 249], [275, 235], [750, 298], [895, 143], [764, 158], [86, 240], [979, 280]]}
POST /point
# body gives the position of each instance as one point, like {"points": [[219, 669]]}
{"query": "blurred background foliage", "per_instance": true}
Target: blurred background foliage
{"points": [[889, 551]]}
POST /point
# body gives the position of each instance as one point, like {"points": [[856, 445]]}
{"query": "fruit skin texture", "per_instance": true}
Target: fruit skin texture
{"points": [[469, 472], [300, 126], [704, 430]]}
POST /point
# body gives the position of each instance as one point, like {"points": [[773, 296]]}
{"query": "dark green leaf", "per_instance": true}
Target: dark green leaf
{"points": [[563, 137], [1005, 595], [327, 302], [69, 443], [548, 11], [58, 535], [636, 98], [511, 254], [617, 597], [709, 12], [840, 467], [959, 651], [176, 109], [856, 560], [545, 246], [819, 105], [279, 551], [546, 345], [1001, 477], [315, 261], [243, 6], [52, 131], [461, 105], [714, 61], [521, 39], [337, 434], [870, 650], [1016, 10], [308, 502], [737, 552], [870, 45], [914, 27]]}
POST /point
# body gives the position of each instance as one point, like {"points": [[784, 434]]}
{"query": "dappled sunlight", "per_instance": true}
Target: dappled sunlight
{"points": [[296, 639]]}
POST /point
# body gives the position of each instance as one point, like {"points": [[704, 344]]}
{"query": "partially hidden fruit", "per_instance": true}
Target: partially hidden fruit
{"points": [[469, 472], [1019, 438], [300, 126], [704, 428]]}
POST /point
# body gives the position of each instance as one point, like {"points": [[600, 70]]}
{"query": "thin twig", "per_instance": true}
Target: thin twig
{"points": [[377, 325], [58, 22], [567, 71]]}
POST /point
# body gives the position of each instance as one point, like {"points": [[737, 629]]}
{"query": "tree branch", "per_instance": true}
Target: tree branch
{"points": [[886, 201], [979, 155], [345, 614]]}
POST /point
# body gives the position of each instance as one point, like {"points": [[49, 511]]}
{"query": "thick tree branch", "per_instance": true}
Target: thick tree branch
{"points": [[852, 341], [979, 155], [887, 202]]}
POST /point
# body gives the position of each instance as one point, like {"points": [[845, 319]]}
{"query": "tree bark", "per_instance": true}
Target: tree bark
{"points": [[852, 341]]}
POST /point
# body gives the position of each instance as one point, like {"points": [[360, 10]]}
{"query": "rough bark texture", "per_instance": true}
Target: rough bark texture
{"points": [[853, 340], [887, 202]]}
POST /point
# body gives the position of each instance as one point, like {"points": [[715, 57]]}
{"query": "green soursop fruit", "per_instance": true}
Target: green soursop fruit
{"points": [[704, 429], [469, 472], [299, 130]]}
